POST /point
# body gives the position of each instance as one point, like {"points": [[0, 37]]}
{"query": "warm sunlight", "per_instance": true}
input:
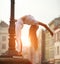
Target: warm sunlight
{"points": [[24, 36]]}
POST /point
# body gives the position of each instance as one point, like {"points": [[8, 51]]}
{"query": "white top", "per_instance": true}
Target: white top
{"points": [[29, 20]]}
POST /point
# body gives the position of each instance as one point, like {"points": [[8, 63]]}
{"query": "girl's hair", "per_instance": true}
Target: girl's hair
{"points": [[33, 37]]}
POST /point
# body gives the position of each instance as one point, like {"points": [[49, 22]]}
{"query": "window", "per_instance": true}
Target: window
{"points": [[51, 53], [57, 50], [3, 38], [57, 36], [58, 63], [3, 46]]}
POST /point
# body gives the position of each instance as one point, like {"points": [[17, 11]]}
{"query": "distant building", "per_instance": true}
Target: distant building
{"points": [[49, 45], [57, 41], [41, 45], [3, 37], [52, 44]]}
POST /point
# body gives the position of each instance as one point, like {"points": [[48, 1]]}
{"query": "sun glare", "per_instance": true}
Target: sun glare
{"points": [[24, 36]]}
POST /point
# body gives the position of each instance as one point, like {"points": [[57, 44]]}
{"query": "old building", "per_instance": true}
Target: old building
{"points": [[3, 37], [41, 46], [49, 46], [51, 43], [57, 42]]}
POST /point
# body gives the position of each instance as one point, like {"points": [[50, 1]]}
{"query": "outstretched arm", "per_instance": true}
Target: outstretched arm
{"points": [[40, 23]]}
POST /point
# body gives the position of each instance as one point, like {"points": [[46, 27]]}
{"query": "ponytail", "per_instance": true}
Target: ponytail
{"points": [[33, 37]]}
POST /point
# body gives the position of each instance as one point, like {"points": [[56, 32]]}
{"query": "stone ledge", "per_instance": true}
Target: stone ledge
{"points": [[14, 61]]}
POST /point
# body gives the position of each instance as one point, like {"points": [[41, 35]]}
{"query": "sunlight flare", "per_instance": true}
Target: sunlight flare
{"points": [[25, 37]]}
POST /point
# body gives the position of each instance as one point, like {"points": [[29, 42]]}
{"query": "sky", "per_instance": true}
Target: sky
{"points": [[43, 10]]}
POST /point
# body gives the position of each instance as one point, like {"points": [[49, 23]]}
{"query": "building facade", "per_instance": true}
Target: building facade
{"points": [[3, 37], [57, 42], [57, 45], [51, 43], [41, 48], [49, 46]]}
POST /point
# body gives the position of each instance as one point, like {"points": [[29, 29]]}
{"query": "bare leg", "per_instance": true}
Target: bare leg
{"points": [[20, 48]]}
